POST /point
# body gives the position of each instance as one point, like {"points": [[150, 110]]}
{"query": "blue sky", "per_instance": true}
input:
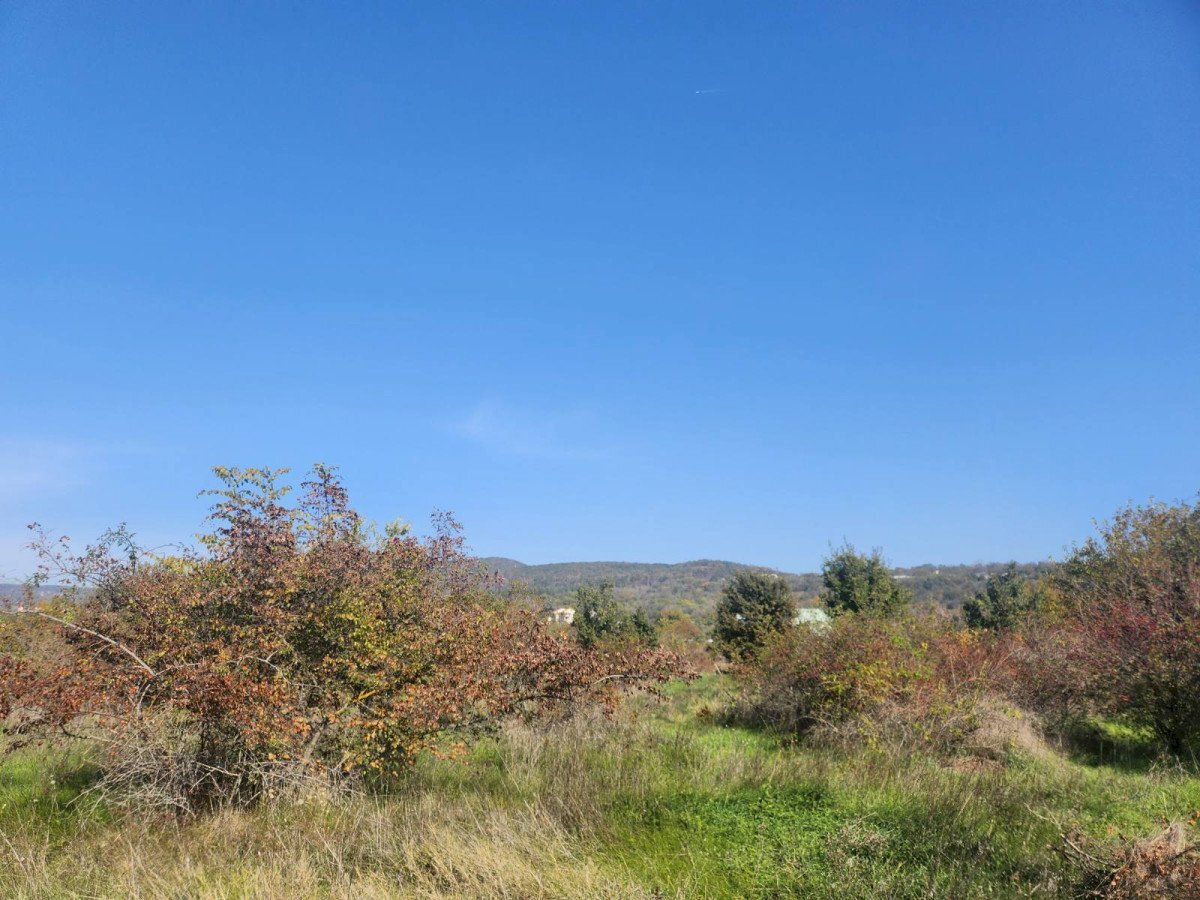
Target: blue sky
{"points": [[653, 281]]}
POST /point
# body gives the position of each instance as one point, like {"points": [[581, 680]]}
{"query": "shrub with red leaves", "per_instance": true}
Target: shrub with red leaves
{"points": [[916, 680], [1126, 637], [297, 643]]}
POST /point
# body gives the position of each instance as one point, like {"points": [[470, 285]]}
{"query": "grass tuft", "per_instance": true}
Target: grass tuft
{"points": [[661, 803]]}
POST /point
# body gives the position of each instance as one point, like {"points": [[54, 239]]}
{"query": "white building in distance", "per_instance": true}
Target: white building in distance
{"points": [[564, 615], [812, 616]]}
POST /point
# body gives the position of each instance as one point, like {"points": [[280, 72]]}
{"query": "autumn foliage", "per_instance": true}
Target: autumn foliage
{"points": [[918, 681], [298, 644], [1128, 628], [1113, 634]]}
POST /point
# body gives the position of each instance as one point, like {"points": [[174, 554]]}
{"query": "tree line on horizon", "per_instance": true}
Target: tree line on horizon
{"points": [[301, 642], [696, 587]]}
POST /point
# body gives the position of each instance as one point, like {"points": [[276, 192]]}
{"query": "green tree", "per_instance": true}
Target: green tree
{"points": [[753, 606], [598, 616], [1004, 601], [858, 583]]}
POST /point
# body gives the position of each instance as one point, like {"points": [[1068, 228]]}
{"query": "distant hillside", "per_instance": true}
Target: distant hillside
{"points": [[696, 586], [13, 593]]}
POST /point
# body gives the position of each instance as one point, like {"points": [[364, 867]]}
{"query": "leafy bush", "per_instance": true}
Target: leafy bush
{"points": [[911, 681], [1007, 598], [679, 633], [857, 583], [754, 606], [298, 644], [1129, 624], [600, 618]]}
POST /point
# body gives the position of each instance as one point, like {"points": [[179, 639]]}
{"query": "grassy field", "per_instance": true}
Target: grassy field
{"points": [[662, 803]]}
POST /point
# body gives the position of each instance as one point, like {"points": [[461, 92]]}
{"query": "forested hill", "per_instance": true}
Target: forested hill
{"points": [[11, 593], [695, 586]]}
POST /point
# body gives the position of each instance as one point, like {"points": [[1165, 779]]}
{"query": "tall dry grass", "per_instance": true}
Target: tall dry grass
{"points": [[663, 803]]}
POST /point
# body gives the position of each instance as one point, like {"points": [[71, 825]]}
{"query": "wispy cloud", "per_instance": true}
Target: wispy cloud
{"points": [[570, 435]]}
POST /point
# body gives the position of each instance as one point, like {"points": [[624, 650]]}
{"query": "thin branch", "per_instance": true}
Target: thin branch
{"points": [[103, 637], [1066, 840]]}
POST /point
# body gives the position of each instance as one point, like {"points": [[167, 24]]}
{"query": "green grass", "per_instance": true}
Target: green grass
{"points": [[663, 802], [717, 811], [47, 788]]}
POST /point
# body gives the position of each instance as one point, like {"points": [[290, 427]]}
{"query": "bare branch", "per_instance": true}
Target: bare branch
{"points": [[103, 637]]}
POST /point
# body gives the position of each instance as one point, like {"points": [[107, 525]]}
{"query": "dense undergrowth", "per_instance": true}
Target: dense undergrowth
{"points": [[663, 802], [301, 648], [310, 708]]}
